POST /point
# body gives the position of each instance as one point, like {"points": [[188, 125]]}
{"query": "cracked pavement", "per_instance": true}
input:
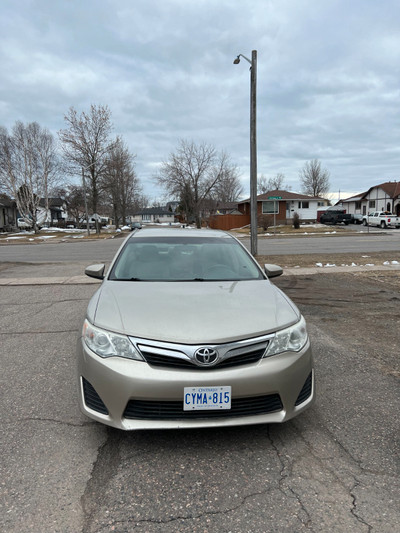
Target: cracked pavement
{"points": [[334, 468]]}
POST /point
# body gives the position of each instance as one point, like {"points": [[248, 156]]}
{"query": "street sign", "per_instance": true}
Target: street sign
{"points": [[274, 197]]}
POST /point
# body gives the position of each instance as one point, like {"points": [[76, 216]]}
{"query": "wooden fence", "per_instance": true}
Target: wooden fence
{"points": [[226, 222]]}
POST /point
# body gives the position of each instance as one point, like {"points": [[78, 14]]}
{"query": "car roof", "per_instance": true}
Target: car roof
{"points": [[180, 232]]}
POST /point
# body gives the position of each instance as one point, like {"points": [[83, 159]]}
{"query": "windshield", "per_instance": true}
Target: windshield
{"points": [[184, 259]]}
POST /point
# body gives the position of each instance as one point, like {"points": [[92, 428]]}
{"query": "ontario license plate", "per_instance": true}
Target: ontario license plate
{"points": [[203, 398]]}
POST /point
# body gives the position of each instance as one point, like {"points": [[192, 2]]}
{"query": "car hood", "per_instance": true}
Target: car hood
{"points": [[192, 312]]}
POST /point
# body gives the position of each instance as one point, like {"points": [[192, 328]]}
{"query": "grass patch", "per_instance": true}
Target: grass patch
{"points": [[305, 229], [310, 260]]}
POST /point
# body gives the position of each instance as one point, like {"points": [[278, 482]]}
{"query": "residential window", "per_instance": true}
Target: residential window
{"points": [[321, 204], [304, 205], [270, 208], [372, 204], [146, 218], [358, 205]]}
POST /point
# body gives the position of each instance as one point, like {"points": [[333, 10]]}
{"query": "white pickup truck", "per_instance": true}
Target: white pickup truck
{"points": [[384, 220]]}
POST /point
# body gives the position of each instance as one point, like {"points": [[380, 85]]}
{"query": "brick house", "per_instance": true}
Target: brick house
{"points": [[284, 204]]}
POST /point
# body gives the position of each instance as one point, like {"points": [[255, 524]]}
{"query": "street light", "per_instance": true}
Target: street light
{"points": [[253, 147]]}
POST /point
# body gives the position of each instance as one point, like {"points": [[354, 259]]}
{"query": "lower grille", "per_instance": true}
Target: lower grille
{"points": [[174, 362], [305, 392], [92, 399], [151, 410]]}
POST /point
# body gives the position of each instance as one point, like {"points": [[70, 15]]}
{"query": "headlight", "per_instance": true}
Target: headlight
{"points": [[107, 344], [288, 340]]}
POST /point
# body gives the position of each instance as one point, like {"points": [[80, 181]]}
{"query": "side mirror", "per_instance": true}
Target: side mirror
{"points": [[272, 271], [95, 271]]}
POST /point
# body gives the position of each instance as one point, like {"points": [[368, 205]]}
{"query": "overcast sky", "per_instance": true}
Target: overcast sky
{"points": [[328, 79]]}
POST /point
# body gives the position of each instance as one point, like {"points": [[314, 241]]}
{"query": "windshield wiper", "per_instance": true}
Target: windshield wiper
{"points": [[126, 279]]}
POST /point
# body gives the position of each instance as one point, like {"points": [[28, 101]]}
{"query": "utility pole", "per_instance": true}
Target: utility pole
{"points": [[84, 196], [253, 147], [253, 153]]}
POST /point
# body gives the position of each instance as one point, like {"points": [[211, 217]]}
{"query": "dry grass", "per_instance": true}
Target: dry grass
{"points": [[305, 229], [339, 259], [57, 236]]}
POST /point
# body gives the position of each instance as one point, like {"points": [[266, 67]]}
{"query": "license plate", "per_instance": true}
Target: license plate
{"points": [[203, 398]]}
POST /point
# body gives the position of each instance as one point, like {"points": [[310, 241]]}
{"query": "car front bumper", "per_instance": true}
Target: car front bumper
{"points": [[107, 387]]}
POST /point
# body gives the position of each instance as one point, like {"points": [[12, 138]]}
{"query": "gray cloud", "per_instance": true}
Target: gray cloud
{"points": [[328, 78]]}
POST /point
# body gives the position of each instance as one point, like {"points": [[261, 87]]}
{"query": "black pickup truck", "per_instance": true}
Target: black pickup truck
{"points": [[335, 217]]}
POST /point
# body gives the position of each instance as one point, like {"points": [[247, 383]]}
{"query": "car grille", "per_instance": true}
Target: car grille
{"points": [[173, 362], [92, 399], [158, 410], [305, 392]]}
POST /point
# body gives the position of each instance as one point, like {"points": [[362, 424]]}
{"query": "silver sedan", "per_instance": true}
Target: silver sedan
{"points": [[186, 330]]}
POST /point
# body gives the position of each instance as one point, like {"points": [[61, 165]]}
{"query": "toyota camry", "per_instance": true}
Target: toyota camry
{"points": [[187, 330]]}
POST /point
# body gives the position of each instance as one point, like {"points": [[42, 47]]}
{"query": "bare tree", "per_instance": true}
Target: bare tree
{"points": [[229, 187], [119, 181], [265, 184], [262, 184], [314, 179], [139, 201], [86, 145], [28, 167], [192, 174]]}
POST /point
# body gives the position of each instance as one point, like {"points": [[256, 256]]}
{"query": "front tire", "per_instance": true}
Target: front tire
{"points": [[383, 225], [365, 223]]}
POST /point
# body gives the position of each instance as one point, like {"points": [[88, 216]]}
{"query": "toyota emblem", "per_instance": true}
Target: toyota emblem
{"points": [[206, 356]]}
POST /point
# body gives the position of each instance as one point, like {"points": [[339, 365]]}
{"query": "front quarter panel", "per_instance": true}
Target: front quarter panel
{"points": [[91, 310]]}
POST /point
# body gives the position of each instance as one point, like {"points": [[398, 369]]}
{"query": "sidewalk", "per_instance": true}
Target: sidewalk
{"points": [[85, 280]]}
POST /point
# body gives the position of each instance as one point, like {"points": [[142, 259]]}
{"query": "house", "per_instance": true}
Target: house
{"points": [[227, 208], [57, 213], [8, 213], [284, 204], [382, 197], [153, 215]]}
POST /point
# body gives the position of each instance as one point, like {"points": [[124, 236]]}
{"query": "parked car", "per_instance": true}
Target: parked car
{"points": [[24, 223], [335, 217], [357, 218], [135, 225], [186, 330], [384, 220]]}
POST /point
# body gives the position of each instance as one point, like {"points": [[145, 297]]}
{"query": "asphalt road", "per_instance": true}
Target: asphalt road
{"points": [[333, 469], [103, 250]]}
